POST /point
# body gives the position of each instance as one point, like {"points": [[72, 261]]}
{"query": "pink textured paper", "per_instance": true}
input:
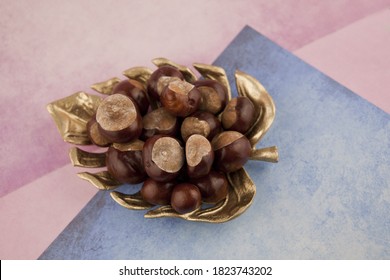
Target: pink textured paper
{"points": [[357, 56], [32, 217]]}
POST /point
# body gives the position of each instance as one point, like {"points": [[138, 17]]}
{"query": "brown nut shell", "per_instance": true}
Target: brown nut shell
{"points": [[214, 96], [163, 158], [160, 79], [201, 122], [180, 98], [94, 134], [125, 164], [231, 150], [159, 121], [213, 187], [185, 198], [199, 156], [135, 90], [157, 193], [119, 118], [239, 114]]}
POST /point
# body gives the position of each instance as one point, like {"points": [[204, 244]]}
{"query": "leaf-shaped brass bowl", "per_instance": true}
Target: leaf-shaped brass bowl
{"points": [[72, 113]]}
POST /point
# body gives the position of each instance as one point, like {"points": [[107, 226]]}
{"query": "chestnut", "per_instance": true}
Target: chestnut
{"points": [[199, 156], [214, 96], [200, 122], [214, 186], [136, 91], [231, 151], [124, 162], [163, 158], [180, 98], [94, 134], [185, 198], [159, 121], [160, 78], [239, 114], [157, 193], [119, 119]]}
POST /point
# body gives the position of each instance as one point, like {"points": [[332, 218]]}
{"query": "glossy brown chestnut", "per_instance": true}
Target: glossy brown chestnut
{"points": [[213, 187], [124, 162], [163, 158], [136, 91], [185, 198], [180, 98], [160, 78], [159, 121], [231, 150], [119, 118], [214, 96], [239, 114], [201, 122], [199, 156], [157, 193], [94, 133]]}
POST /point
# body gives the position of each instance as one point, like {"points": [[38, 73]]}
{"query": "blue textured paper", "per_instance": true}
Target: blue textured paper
{"points": [[327, 198]]}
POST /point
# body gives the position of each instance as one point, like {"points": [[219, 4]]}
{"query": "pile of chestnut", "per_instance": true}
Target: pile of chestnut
{"points": [[179, 139]]}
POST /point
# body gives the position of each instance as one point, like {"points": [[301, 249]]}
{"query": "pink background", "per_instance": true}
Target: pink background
{"points": [[50, 49]]}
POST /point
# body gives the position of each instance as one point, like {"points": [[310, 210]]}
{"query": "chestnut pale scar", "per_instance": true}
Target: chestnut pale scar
{"points": [[196, 148], [210, 99], [229, 116], [96, 136], [193, 125], [163, 81], [135, 145], [160, 119], [168, 154], [181, 87], [225, 138], [116, 112]]}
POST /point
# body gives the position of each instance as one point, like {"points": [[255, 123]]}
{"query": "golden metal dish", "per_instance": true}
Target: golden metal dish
{"points": [[72, 113]]}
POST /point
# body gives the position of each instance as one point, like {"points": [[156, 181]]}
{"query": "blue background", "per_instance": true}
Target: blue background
{"points": [[327, 198]]}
